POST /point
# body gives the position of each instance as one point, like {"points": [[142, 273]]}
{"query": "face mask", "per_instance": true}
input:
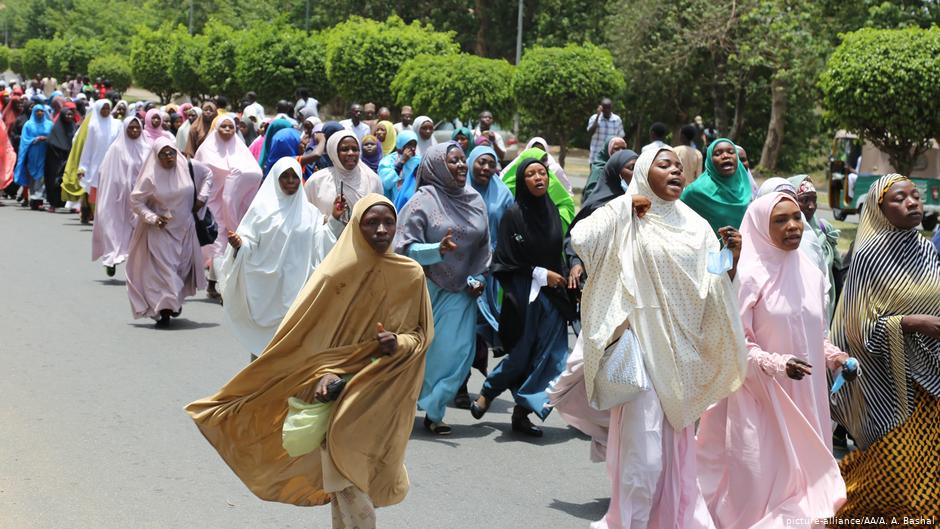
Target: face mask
{"points": [[623, 185], [720, 262]]}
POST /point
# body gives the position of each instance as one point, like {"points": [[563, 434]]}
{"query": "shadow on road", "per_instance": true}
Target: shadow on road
{"points": [[111, 282], [179, 324], [594, 510]]}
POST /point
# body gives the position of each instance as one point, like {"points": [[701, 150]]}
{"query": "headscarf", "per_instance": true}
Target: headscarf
{"points": [[286, 143], [281, 236], [466, 133], [556, 190], [553, 164], [329, 128], [251, 131], [390, 136], [530, 236], [423, 144], [10, 113], [438, 205], [809, 245], [409, 181], [182, 135], [371, 421], [31, 160], [62, 132], [495, 195], [126, 156], [101, 133], [199, 131], [827, 237], [71, 186], [652, 272], [323, 187], [276, 126], [151, 132], [722, 201], [894, 273], [373, 161], [7, 157]]}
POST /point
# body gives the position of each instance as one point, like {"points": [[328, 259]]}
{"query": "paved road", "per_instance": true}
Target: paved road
{"points": [[93, 436]]}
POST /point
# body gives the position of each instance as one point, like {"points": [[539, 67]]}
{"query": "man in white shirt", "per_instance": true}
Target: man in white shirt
{"points": [[305, 101], [603, 126], [355, 123], [484, 129], [253, 110], [407, 115], [658, 133]]}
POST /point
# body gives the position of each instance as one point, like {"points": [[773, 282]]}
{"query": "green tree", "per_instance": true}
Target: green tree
{"points": [[150, 62], [457, 85], [557, 88], [217, 65], [71, 56], [885, 86], [274, 61], [113, 68], [34, 58], [4, 58], [363, 56], [186, 51]]}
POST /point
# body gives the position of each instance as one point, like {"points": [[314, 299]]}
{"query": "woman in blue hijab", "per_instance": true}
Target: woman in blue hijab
{"points": [[397, 169], [31, 160]]}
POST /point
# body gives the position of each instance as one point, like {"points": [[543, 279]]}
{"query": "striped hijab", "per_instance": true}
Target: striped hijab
{"points": [[894, 273]]}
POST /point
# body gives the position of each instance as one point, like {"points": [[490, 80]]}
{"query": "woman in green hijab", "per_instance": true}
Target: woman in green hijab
{"points": [[556, 191], [722, 193], [464, 138], [599, 163]]}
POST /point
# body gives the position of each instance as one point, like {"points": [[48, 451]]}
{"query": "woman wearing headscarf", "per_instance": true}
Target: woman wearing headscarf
{"points": [[649, 284], [235, 181], [57, 154], [539, 142], [563, 201], [286, 143], [611, 146], [182, 135], [164, 264], [463, 137], [385, 132], [7, 158], [721, 194], [825, 233], [424, 127], [371, 152], [378, 346], [889, 319], [102, 130], [248, 131], [111, 235], [397, 170], [780, 417], [71, 188], [348, 177], [278, 244], [534, 316], [31, 160], [153, 126], [200, 129], [276, 126], [444, 228]]}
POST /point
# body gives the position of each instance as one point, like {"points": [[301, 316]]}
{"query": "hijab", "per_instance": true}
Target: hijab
{"points": [[466, 133], [182, 135], [64, 130], [439, 205], [102, 131], [31, 160], [810, 244], [390, 136], [323, 187], [286, 143], [372, 161], [151, 132], [409, 182], [329, 129], [276, 126], [721, 201], [199, 130], [371, 421], [423, 144], [251, 132], [552, 163], [125, 156], [556, 190], [495, 195]]}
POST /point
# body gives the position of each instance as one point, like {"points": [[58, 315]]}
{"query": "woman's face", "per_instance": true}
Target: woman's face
{"points": [[378, 227], [262, 129], [40, 114], [133, 130], [370, 147], [483, 168], [462, 141], [536, 179], [243, 127], [208, 112], [308, 127], [105, 110], [457, 165], [167, 157], [626, 174], [381, 134], [903, 206], [786, 225], [289, 182], [665, 176], [156, 121], [226, 130], [616, 145], [191, 115], [725, 158], [426, 130], [348, 153], [807, 204]]}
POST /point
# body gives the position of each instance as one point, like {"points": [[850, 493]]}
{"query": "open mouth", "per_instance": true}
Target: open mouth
{"points": [[794, 238], [540, 185], [674, 182]]}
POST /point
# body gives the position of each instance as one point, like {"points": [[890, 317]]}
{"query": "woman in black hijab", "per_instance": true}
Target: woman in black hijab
{"points": [[536, 309], [57, 155]]}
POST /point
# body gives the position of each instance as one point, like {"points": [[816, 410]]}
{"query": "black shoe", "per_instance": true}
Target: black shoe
{"points": [[110, 270], [477, 411], [462, 400], [163, 322], [177, 313], [522, 424], [437, 428]]}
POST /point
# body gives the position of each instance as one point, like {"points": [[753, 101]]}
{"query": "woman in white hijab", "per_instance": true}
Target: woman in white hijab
{"points": [[652, 296], [235, 181], [277, 246], [102, 130], [348, 176], [424, 128]]}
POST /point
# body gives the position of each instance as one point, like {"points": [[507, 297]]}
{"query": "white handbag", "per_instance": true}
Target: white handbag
{"points": [[621, 375]]}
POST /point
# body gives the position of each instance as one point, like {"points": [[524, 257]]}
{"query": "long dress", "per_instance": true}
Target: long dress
{"points": [[649, 280], [284, 238], [774, 425], [102, 131], [7, 158], [57, 155], [236, 178], [164, 265], [31, 162], [326, 184], [556, 190], [115, 221]]}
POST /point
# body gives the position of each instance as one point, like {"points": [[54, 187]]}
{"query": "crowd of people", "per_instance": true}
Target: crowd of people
{"points": [[368, 268]]}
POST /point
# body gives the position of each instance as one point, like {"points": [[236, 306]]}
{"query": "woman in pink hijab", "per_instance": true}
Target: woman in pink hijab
{"points": [[765, 452], [236, 178], [164, 265], [153, 126]]}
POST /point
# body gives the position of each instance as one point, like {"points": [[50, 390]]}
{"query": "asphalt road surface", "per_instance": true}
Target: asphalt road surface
{"points": [[93, 433]]}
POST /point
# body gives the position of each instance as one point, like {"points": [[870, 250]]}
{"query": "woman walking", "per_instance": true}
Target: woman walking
{"points": [[397, 169], [31, 161], [57, 154], [347, 177], [102, 130], [721, 194]]}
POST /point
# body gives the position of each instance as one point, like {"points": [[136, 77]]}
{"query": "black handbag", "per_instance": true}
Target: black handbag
{"points": [[207, 231]]}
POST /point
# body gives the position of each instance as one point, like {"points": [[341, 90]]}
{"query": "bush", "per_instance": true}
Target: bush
{"points": [[34, 58], [71, 56], [217, 65], [556, 89], [4, 58], [363, 56], [16, 61], [150, 61], [114, 68], [458, 85], [185, 54], [273, 61]]}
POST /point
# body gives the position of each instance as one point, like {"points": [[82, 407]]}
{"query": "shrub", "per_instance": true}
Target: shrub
{"points": [[113, 68]]}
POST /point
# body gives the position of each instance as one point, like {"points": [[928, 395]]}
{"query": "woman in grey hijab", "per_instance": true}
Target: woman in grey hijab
{"points": [[444, 227]]}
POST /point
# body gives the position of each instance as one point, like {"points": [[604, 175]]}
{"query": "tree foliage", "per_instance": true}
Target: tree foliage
{"points": [[363, 56], [885, 86], [185, 54], [114, 68], [4, 58], [456, 85], [217, 65], [557, 88], [150, 61], [274, 61], [71, 56], [34, 58]]}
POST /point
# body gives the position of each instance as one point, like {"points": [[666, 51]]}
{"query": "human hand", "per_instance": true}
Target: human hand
{"points": [[476, 290], [848, 374], [406, 154], [323, 387], [600, 110], [922, 323], [388, 341], [162, 221], [574, 277], [234, 239], [41, 138], [339, 207], [447, 243], [641, 205], [732, 239], [197, 205], [797, 369], [556, 280]]}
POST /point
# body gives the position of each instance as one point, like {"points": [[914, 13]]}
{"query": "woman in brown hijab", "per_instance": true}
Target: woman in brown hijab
{"points": [[378, 345], [199, 130]]}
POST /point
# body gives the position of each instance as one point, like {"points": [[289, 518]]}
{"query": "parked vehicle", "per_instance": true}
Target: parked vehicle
{"points": [[444, 129]]}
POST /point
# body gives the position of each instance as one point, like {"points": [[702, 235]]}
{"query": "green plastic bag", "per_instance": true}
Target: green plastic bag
{"points": [[305, 426]]}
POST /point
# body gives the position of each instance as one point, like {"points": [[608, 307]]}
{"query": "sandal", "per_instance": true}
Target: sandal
{"points": [[437, 428]]}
